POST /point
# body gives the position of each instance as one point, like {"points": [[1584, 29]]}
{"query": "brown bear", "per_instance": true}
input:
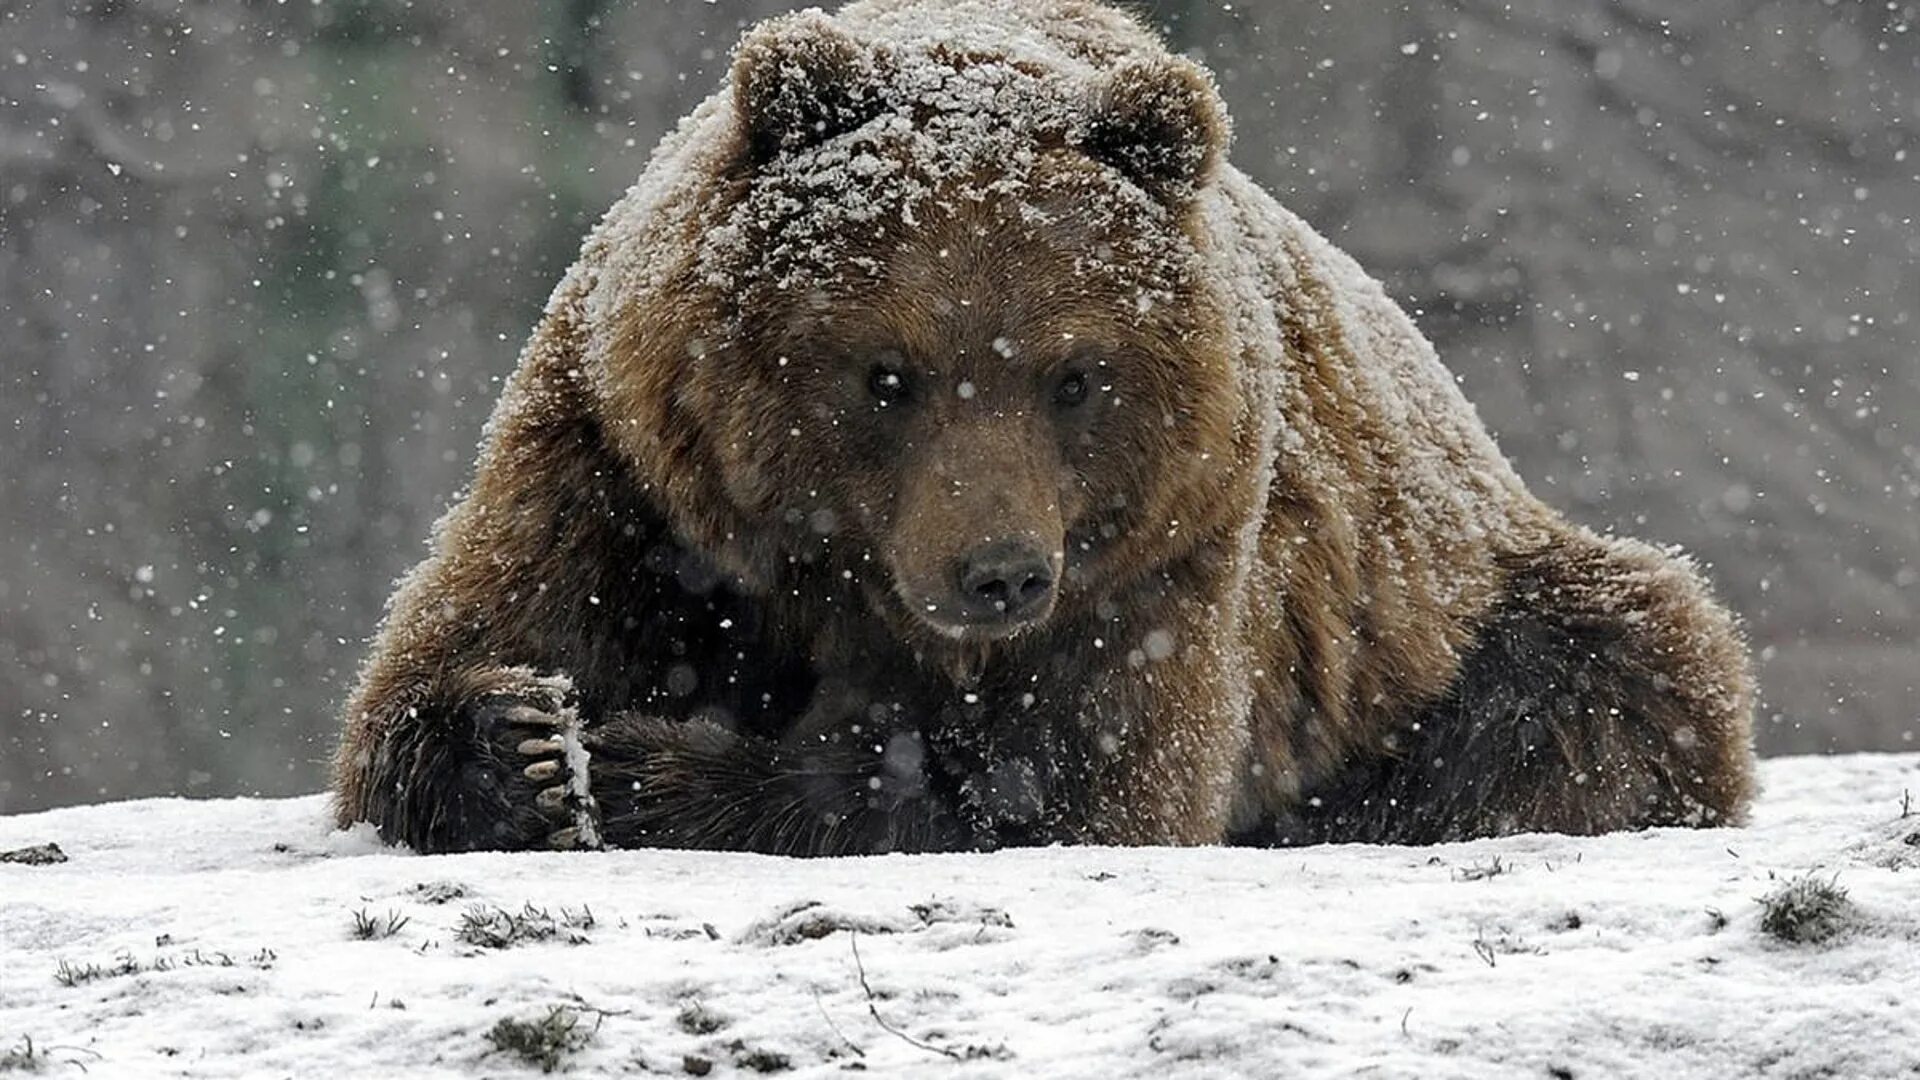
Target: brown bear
{"points": [[943, 447]]}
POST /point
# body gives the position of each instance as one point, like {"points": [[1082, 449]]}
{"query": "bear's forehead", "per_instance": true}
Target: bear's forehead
{"points": [[964, 145]]}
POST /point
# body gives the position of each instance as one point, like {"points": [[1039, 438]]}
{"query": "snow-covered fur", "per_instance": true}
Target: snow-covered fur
{"points": [[931, 286]]}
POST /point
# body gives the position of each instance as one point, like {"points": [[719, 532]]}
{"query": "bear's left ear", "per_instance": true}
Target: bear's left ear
{"points": [[1161, 122], [798, 81]]}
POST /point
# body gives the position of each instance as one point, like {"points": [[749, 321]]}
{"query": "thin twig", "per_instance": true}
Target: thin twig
{"points": [[1484, 947], [828, 1017], [854, 937]]}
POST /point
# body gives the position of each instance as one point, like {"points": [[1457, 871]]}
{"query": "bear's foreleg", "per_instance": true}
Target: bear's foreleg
{"points": [[485, 760], [1604, 691], [696, 784], [1128, 745]]}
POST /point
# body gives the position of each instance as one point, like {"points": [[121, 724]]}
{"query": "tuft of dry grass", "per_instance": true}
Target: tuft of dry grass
{"points": [[697, 1019], [370, 927], [498, 928], [70, 974], [22, 1056], [546, 1041], [1807, 911], [1481, 871], [26, 1056]]}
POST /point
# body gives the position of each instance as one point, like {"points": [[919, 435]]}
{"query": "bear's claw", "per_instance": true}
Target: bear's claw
{"points": [[551, 758], [531, 717]]}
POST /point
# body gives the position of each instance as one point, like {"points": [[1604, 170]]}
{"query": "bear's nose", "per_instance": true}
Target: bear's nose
{"points": [[1005, 581]]}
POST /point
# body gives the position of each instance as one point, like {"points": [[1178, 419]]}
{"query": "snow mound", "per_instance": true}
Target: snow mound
{"points": [[242, 938]]}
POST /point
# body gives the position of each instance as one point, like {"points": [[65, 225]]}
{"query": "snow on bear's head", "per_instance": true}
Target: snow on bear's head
{"points": [[968, 343]]}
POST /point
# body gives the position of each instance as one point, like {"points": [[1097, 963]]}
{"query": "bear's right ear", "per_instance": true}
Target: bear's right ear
{"points": [[798, 81]]}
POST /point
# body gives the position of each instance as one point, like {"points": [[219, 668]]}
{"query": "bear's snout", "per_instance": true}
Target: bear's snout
{"points": [[1005, 582], [977, 541]]}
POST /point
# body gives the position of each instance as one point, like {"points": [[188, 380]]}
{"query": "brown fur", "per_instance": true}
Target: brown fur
{"points": [[1286, 610]]}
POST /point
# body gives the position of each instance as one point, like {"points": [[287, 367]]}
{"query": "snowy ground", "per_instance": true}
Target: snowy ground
{"points": [[213, 939]]}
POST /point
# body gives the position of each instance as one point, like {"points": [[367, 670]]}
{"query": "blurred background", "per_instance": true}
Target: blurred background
{"points": [[263, 266]]}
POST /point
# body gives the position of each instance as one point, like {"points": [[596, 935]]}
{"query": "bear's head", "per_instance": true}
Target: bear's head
{"points": [[966, 369]]}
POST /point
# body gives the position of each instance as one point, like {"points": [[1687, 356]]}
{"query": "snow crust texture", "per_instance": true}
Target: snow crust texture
{"points": [[242, 938]]}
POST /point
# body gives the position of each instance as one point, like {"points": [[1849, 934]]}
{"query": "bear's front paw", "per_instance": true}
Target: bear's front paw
{"points": [[543, 743]]}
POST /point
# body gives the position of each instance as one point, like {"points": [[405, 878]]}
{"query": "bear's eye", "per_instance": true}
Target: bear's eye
{"points": [[1072, 389], [886, 384]]}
